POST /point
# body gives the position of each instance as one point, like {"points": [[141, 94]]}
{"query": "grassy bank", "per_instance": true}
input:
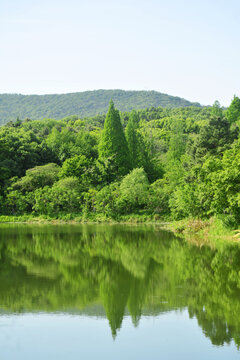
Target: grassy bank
{"points": [[212, 232], [79, 219]]}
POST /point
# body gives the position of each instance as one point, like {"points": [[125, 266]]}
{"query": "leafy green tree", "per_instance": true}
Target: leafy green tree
{"points": [[64, 197], [233, 112], [134, 190], [17, 203], [220, 182], [177, 142], [21, 150], [37, 177], [217, 110], [82, 168], [184, 202], [158, 198], [106, 200], [61, 143], [106, 170], [214, 138], [113, 142], [86, 144]]}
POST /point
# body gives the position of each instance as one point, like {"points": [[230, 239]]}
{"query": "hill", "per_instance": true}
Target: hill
{"points": [[88, 103]]}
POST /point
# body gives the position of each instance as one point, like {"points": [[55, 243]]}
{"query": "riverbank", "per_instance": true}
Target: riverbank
{"points": [[80, 219], [210, 232]]}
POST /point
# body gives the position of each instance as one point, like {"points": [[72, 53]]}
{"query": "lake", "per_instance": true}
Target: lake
{"points": [[115, 292]]}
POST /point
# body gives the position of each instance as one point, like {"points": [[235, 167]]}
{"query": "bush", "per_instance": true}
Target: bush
{"points": [[107, 200], [64, 196]]}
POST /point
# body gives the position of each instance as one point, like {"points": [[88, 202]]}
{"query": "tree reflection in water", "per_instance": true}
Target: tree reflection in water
{"points": [[135, 270]]}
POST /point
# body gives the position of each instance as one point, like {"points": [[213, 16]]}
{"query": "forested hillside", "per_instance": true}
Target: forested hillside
{"points": [[83, 104], [166, 163]]}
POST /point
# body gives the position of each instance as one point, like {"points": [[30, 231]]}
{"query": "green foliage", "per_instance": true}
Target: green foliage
{"points": [[233, 112], [113, 143], [185, 161], [66, 143], [132, 138], [223, 183], [106, 200], [214, 137], [134, 191], [85, 169], [64, 196], [158, 198], [177, 142], [37, 177], [184, 202], [17, 203], [19, 151], [136, 145], [217, 110]]}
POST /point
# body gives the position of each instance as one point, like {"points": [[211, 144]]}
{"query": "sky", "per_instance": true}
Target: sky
{"points": [[186, 48]]}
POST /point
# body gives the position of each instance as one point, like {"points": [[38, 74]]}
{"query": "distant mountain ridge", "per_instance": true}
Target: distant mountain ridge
{"points": [[84, 104]]}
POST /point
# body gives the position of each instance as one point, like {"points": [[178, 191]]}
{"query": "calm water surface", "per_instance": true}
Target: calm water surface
{"points": [[115, 292]]}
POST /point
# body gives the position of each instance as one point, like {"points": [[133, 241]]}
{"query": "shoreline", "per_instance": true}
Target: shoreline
{"points": [[210, 232]]}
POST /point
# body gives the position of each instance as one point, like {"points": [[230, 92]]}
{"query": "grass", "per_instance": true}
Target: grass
{"points": [[212, 232], [78, 218]]}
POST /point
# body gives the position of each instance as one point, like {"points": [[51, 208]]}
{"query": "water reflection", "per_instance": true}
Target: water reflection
{"points": [[139, 270]]}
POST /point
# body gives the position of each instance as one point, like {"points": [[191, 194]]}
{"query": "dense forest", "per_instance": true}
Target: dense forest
{"points": [[88, 103], [165, 163]]}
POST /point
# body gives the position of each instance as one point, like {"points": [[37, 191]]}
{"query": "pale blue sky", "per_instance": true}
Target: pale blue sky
{"points": [[188, 48]]}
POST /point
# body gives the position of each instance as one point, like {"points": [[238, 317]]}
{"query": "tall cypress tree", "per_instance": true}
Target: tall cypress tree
{"points": [[113, 143], [131, 137], [135, 142]]}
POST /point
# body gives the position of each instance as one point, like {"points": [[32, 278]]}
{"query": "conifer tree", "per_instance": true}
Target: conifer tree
{"points": [[113, 143], [131, 137], [135, 142]]}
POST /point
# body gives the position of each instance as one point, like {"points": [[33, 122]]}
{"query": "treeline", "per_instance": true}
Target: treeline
{"points": [[166, 163], [88, 103]]}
